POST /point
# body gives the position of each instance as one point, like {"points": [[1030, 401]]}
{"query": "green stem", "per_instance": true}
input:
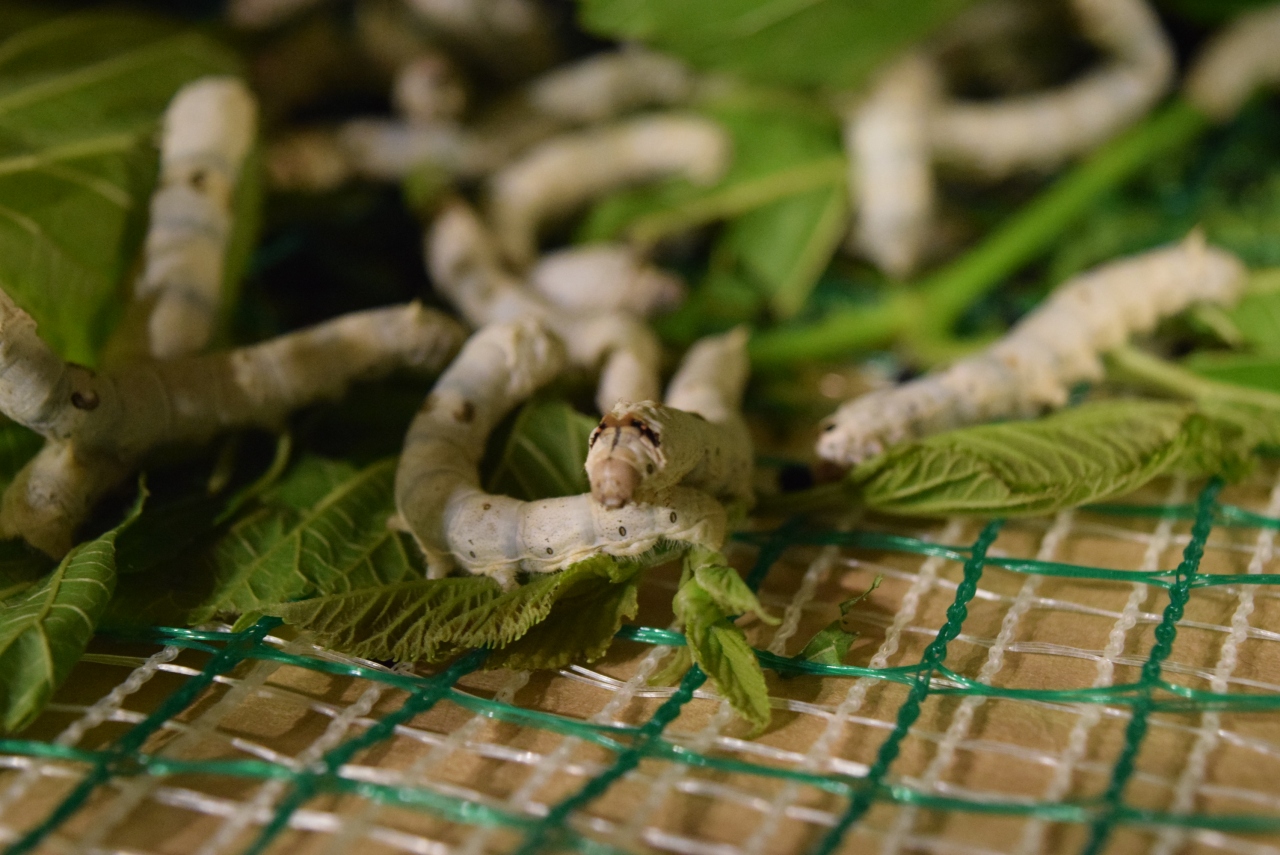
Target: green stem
{"points": [[939, 300], [836, 334], [1033, 229], [1132, 364]]}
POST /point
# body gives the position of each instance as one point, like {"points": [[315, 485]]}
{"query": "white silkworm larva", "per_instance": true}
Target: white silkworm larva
{"points": [[1041, 131], [437, 483], [697, 439], [428, 89], [1033, 367], [607, 85], [464, 266], [564, 173], [1238, 60], [604, 278], [99, 426], [891, 171], [209, 127]]}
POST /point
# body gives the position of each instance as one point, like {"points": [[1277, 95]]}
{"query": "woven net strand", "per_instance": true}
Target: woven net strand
{"points": [[1015, 699]]}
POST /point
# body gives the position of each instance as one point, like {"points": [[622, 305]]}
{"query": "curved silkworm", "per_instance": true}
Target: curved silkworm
{"points": [[99, 427], [439, 500], [697, 439], [465, 268], [209, 127], [891, 170], [605, 278], [607, 85], [1041, 131], [1043, 356], [561, 174], [1237, 61]]}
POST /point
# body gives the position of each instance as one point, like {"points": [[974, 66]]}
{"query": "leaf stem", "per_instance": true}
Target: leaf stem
{"points": [[930, 309], [1143, 368]]}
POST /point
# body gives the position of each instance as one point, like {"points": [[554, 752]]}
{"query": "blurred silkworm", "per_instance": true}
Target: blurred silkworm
{"points": [[1242, 57], [1041, 131]]}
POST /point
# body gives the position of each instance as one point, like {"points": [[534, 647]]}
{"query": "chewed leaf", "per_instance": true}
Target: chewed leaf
{"points": [[342, 543], [831, 644], [543, 456], [430, 618], [1080, 455], [44, 630], [831, 43], [579, 626], [720, 648], [80, 97]]}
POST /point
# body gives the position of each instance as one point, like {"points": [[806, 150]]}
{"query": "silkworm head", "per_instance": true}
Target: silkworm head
{"points": [[614, 483]]}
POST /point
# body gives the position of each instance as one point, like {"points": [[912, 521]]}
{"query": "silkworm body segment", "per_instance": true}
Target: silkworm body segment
{"points": [[208, 130], [1043, 356]]}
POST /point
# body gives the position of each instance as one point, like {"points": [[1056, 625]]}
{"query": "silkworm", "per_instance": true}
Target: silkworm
{"points": [[464, 266], [99, 426], [209, 127], [606, 85], [1238, 60], [563, 173], [1041, 131], [891, 173], [1035, 365], [697, 439], [439, 500], [605, 278], [428, 89]]}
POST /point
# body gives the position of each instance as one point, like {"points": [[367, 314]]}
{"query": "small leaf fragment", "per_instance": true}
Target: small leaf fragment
{"points": [[830, 645], [720, 648], [45, 629], [723, 584]]}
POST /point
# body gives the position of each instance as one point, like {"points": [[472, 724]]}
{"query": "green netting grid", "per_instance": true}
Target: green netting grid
{"points": [[630, 744]]}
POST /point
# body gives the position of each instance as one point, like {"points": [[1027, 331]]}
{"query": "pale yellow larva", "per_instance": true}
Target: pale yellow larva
{"points": [[99, 426], [464, 266], [439, 500], [890, 165], [1039, 132], [563, 173], [605, 277], [1239, 59], [1034, 367], [208, 130]]}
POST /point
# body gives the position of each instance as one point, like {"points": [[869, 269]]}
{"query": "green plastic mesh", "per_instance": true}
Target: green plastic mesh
{"points": [[111, 765]]}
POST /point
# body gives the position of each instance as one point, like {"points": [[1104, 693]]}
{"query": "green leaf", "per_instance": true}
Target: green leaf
{"points": [[308, 481], [787, 245], [430, 618], [342, 543], [832, 43], [1079, 455], [778, 152], [580, 626], [44, 631], [720, 648], [723, 584], [544, 454], [80, 97], [1256, 372], [831, 644]]}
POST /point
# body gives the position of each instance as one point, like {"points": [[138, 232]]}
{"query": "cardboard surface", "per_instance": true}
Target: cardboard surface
{"points": [[999, 749]]}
